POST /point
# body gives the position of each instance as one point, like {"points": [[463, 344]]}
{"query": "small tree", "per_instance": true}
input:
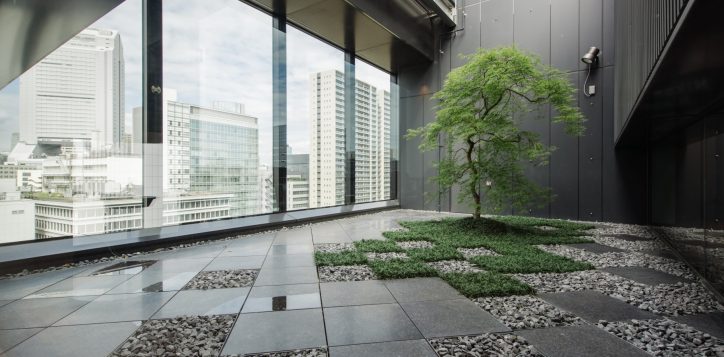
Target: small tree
{"points": [[486, 147]]}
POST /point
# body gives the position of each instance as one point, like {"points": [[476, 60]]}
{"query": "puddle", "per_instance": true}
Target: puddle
{"points": [[282, 303], [130, 267]]}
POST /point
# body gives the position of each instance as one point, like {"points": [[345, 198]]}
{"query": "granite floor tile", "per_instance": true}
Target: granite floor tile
{"points": [[351, 325], [11, 338], [203, 303], [421, 289], [154, 281], [80, 286], [576, 341], [451, 318], [417, 348], [117, 308], [289, 261], [11, 289], [282, 298], [76, 341], [235, 263], [39, 312], [276, 331], [711, 323], [350, 293], [593, 306], [285, 249], [287, 276]]}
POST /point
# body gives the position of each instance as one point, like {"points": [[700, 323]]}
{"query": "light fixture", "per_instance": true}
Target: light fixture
{"points": [[590, 58]]}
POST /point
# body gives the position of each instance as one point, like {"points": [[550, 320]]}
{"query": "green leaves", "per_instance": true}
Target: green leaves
{"points": [[479, 112]]}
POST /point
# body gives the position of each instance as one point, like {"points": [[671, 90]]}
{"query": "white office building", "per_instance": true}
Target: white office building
{"points": [[327, 146], [76, 93]]}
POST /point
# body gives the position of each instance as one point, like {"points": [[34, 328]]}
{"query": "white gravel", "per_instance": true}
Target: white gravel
{"points": [[345, 273], [220, 279], [184, 336], [575, 281], [454, 266], [483, 345], [628, 245], [665, 337], [526, 312], [309, 352], [415, 244], [476, 252], [334, 247], [386, 256]]}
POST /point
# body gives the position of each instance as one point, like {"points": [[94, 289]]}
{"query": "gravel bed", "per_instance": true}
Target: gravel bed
{"points": [[333, 247], [622, 259], [618, 228], [672, 299], [483, 345], [454, 266], [184, 336], [628, 245], [475, 252], [386, 256], [665, 337], [308, 352], [345, 273], [415, 244], [577, 281], [220, 279], [526, 312]]}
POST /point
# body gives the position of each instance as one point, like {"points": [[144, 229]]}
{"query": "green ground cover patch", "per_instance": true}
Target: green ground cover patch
{"points": [[513, 237]]}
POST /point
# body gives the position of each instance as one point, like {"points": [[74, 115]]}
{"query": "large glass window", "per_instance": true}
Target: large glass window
{"points": [[69, 165]]}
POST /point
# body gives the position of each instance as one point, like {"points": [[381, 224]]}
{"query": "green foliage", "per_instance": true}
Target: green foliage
{"points": [[439, 252], [400, 269], [474, 285], [377, 246], [529, 262], [341, 258], [480, 110]]}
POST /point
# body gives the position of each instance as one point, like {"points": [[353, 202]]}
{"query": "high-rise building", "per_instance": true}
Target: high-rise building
{"points": [[297, 180], [212, 150], [76, 93], [327, 148]]}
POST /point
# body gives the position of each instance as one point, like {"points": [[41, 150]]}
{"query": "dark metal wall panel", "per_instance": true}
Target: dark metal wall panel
{"points": [[589, 175], [590, 27], [564, 169], [608, 56], [429, 158], [564, 35], [411, 185], [497, 23], [532, 28], [418, 80], [466, 41]]}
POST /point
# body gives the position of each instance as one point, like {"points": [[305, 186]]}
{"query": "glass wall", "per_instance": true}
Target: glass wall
{"points": [[244, 115]]}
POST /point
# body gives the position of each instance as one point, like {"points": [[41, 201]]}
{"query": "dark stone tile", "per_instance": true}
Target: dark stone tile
{"points": [[235, 263], [117, 308], [368, 323], [76, 341], [151, 281], [421, 289], [287, 276], [593, 306], [576, 341], [663, 253], [645, 275], [5, 302], [289, 261], [127, 267], [11, 289], [80, 286], [629, 237], [385, 349], [349, 293], [10, 338], [39, 312], [282, 298], [451, 318], [243, 251], [203, 302], [276, 331], [595, 248], [711, 323]]}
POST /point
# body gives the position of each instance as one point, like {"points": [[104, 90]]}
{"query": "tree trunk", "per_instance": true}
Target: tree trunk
{"points": [[474, 181], [476, 196]]}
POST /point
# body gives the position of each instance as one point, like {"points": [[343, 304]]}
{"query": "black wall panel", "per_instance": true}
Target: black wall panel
{"points": [[532, 29], [564, 35], [411, 181], [467, 41], [564, 169], [589, 204], [497, 23]]}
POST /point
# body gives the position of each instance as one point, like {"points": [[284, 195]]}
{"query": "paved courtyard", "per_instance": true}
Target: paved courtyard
{"points": [[262, 293]]}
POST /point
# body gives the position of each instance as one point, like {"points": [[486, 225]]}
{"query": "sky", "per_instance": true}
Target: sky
{"points": [[218, 50]]}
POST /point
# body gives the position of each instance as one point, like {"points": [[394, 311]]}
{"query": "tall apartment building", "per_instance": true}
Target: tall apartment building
{"points": [[212, 150], [76, 93], [327, 146], [297, 180]]}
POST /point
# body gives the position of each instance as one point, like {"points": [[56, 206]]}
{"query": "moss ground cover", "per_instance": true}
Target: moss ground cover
{"points": [[512, 237]]}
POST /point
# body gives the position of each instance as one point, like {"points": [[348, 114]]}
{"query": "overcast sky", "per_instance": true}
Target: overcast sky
{"points": [[218, 50]]}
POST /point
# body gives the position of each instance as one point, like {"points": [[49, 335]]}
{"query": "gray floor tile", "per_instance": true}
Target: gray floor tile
{"points": [[282, 298], [5, 302], [11, 338], [294, 236], [350, 293], [284, 249], [421, 289], [80, 286], [201, 251], [76, 341], [576, 341], [154, 281], [711, 323], [116, 308], [595, 248], [630, 237], [11, 289], [276, 331], [289, 261], [287, 276], [451, 318], [243, 251], [352, 325], [593, 306], [203, 302], [645, 275], [39, 312], [233, 263], [417, 348]]}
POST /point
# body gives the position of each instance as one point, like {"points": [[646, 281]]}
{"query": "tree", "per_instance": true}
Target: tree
{"points": [[480, 109]]}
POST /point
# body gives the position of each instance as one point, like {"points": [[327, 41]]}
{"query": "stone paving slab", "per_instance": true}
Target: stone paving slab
{"points": [[593, 306], [352, 325], [276, 331], [711, 323], [116, 308], [282, 298], [577, 341], [451, 318], [39, 312], [350, 293], [421, 289], [287, 276], [11, 338], [417, 348], [203, 303], [646, 276]]}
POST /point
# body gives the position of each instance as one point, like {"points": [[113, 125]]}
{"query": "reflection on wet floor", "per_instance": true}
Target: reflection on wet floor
{"points": [[130, 267], [281, 303]]}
